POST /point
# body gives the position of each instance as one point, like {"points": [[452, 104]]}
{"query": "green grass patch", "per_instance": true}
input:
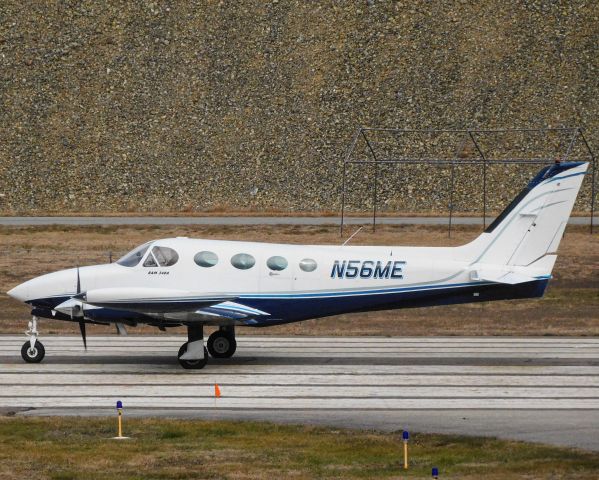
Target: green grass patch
{"points": [[73, 448]]}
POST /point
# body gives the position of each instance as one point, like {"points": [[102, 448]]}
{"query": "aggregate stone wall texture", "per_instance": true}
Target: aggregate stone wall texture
{"points": [[249, 105]]}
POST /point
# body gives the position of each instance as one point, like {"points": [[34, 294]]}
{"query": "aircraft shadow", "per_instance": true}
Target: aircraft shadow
{"points": [[312, 360]]}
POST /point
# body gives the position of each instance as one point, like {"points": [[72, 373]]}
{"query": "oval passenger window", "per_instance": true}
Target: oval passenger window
{"points": [[243, 261], [206, 259], [277, 263], [308, 265]]}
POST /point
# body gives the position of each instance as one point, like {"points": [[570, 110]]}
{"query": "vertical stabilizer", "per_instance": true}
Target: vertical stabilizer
{"points": [[532, 225]]}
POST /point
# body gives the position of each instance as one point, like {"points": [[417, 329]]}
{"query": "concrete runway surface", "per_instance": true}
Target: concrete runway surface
{"points": [[37, 221], [536, 389]]}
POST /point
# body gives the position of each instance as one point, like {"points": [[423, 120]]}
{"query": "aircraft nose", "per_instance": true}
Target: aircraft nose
{"points": [[48, 285], [63, 283], [19, 292]]}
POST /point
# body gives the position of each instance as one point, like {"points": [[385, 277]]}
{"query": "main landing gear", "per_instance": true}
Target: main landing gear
{"points": [[222, 343], [193, 354], [33, 351]]}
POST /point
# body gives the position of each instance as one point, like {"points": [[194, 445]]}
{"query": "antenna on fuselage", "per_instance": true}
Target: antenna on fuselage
{"points": [[352, 236]]}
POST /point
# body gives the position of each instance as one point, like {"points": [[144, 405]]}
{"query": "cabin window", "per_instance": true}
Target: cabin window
{"points": [[206, 259], [308, 265], [150, 261], [132, 258], [277, 263], [161, 257], [243, 261]]}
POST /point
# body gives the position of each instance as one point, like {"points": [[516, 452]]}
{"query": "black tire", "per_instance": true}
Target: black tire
{"points": [[222, 344], [192, 364], [35, 356]]}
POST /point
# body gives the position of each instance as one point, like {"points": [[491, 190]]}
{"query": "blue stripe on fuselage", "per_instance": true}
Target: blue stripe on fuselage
{"points": [[286, 308]]}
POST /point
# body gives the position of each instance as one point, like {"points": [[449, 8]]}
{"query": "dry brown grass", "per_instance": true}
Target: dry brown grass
{"points": [[571, 306]]}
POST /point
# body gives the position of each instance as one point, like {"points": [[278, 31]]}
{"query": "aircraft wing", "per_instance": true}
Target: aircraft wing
{"points": [[151, 300]]}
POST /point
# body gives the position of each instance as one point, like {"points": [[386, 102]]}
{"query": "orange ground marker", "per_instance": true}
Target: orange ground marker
{"points": [[216, 390]]}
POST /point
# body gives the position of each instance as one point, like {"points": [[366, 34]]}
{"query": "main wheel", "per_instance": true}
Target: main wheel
{"points": [[192, 364], [35, 354], [222, 344]]}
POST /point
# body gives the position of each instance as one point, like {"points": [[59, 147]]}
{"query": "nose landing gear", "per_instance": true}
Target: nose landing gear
{"points": [[33, 351]]}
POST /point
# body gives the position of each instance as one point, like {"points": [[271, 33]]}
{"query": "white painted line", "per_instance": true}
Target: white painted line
{"points": [[7, 380], [356, 392]]}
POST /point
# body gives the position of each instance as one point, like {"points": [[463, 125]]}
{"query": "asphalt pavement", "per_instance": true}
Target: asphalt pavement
{"points": [[535, 389]]}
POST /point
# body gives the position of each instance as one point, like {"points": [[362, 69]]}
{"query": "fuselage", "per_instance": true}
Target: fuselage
{"points": [[285, 283]]}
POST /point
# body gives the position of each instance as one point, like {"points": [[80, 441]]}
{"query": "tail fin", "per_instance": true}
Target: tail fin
{"points": [[527, 233]]}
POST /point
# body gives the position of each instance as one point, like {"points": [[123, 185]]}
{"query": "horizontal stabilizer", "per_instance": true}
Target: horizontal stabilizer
{"points": [[501, 276], [510, 278]]}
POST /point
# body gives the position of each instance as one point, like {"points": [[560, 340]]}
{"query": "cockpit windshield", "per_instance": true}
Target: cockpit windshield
{"points": [[132, 258], [161, 256]]}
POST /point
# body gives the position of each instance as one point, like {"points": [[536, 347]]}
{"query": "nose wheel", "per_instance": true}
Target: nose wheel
{"points": [[33, 350], [33, 354], [222, 343]]}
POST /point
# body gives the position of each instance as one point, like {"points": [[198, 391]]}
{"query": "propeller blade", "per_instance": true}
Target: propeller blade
{"points": [[83, 336], [78, 281]]}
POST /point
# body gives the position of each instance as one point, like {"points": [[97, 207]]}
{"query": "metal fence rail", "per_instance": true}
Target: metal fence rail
{"points": [[468, 150]]}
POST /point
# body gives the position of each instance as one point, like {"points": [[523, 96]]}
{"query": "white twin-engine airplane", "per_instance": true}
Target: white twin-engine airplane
{"points": [[183, 281]]}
